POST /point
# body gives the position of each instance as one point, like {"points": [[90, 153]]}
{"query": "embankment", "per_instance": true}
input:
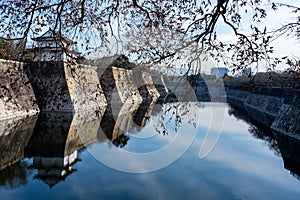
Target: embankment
{"points": [[59, 86], [274, 103], [17, 97]]}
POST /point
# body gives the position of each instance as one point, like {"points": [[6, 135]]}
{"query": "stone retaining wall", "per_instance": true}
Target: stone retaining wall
{"points": [[126, 86], [64, 87], [271, 111], [160, 85], [16, 94], [288, 121], [84, 87], [50, 86], [150, 85], [263, 108], [237, 97]]}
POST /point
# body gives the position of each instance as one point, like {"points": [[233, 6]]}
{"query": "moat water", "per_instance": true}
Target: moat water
{"points": [[187, 150]]}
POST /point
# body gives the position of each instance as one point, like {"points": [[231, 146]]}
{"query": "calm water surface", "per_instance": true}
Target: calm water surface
{"points": [[56, 156]]}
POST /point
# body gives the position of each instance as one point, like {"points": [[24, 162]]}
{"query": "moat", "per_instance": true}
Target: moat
{"points": [[64, 156]]}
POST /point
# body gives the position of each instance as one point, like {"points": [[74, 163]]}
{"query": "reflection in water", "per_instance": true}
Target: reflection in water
{"points": [[143, 113], [84, 128], [257, 130], [265, 134], [48, 147], [116, 121], [55, 141], [57, 138], [290, 152], [14, 136], [15, 175], [50, 135], [283, 146], [119, 119], [170, 117]]}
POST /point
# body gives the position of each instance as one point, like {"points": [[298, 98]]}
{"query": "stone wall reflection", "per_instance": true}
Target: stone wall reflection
{"points": [[14, 136], [53, 139], [290, 151], [257, 130], [47, 147], [284, 146], [119, 119], [56, 141]]}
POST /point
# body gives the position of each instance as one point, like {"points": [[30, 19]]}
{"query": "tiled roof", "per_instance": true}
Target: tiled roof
{"points": [[51, 35]]}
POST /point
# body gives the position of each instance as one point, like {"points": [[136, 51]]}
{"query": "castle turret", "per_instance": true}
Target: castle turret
{"points": [[52, 46]]}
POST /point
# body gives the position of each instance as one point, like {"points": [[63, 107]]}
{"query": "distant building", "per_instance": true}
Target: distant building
{"points": [[51, 46], [219, 71]]}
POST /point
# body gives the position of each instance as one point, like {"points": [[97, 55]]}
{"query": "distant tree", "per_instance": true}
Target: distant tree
{"points": [[122, 61], [15, 176], [121, 141], [1, 43], [11, 49], [6, 49], [184, 28]]}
